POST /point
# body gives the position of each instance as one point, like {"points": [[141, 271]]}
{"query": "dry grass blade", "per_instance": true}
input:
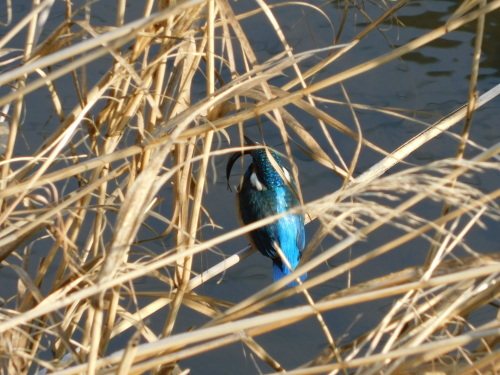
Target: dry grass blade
{"points": [[113, 232]]}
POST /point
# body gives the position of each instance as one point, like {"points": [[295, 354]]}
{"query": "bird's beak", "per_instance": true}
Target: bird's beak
{"points": [[230, 163], [235, 156], [249, 141]]}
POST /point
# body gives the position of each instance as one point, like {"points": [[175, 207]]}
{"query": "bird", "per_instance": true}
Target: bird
{"points": [[263, 192]]}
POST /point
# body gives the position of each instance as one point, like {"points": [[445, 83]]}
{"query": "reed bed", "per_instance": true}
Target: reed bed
{"points": [[117, 192]]}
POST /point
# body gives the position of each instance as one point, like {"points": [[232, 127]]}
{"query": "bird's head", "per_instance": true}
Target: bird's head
{"points": [[266, 170]]}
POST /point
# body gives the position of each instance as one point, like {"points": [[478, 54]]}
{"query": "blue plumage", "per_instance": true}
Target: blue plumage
{"points": [[265, 192]]}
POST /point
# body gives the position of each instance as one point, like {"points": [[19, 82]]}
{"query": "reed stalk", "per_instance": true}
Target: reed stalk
{"points": [[117, 193]]}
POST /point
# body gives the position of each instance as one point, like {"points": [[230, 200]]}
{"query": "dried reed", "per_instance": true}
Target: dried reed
{"points": [[87, 198]]}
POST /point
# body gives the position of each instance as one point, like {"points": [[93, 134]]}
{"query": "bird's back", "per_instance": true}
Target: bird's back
{"points": [[287, 233]]}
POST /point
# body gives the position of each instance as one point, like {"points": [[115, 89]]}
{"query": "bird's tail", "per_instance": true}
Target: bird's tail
{"points": [[281, 271]]}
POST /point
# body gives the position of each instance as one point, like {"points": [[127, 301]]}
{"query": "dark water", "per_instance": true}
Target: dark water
{"points": [[432, 82]]}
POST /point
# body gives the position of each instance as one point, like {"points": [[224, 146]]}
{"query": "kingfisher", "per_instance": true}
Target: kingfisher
{"points": [[264, 192]]}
